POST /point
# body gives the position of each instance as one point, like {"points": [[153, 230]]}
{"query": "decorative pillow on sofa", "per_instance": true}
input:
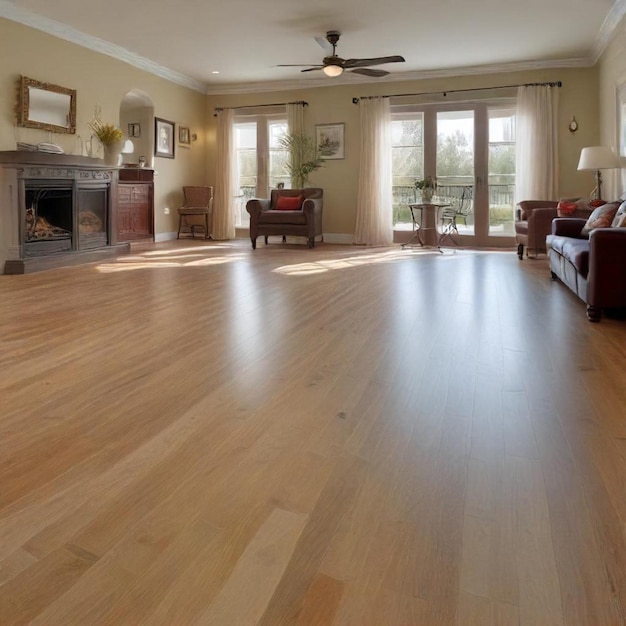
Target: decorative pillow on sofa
{"points": [[565, 208], [619, 221], [602, 217], [289, 203]]}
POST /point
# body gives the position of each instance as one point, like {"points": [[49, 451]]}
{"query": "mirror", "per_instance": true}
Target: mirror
{"points": [[47, 106]]}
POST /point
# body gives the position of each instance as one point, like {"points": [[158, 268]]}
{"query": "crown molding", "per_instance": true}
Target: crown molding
{"points": [[11, 12], [611, 22], [495, 68]]}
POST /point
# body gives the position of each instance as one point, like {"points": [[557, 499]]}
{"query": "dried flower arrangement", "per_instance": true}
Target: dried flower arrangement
{"points": [[106, 133]]}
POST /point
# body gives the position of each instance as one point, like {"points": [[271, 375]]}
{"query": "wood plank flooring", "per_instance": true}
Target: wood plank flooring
{"points": [[202, 434]]}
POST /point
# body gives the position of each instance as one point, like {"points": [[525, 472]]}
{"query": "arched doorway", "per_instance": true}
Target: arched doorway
{"points": [[137, 122], [135, 189]]}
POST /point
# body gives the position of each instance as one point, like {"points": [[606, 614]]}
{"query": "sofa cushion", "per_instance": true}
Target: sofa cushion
{"points": [[282, 216], [620, 217], [602, 217], [289, 203], [576, 251]]}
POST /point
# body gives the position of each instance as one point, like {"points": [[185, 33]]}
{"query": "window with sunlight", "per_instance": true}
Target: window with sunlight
{"points": [[501, 171], [407, 139]]}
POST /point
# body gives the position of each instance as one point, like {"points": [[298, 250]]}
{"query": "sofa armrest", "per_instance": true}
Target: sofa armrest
{"points": [[257, 205], [312, 206], [568, 226], [606, 284]]}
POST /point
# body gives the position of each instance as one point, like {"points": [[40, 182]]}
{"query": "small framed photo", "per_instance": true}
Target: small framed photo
{"points": [[184, 136], [163, 138], [330, 140], [134, 130]]}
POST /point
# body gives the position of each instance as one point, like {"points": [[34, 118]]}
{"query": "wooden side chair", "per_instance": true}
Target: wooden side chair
{"points": [[197, 211]]}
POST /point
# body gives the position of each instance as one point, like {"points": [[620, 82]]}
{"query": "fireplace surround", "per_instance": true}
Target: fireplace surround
{"points": [[56, 210]]}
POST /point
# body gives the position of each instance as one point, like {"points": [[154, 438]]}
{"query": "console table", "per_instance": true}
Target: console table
{"points": [[56, 210]]}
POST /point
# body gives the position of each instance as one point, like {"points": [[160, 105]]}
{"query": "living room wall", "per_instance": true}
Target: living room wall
{"points": [[100, 81], [612, 75], [333, 104]]}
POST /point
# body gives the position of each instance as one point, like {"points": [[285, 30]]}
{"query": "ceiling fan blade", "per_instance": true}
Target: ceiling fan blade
{"points": [[325, 45], [375, 61], [298, 65], [313, 69], [367, 72]]}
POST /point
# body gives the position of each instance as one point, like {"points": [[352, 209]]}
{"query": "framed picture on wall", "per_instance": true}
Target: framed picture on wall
{"points": [[163, 138], [184, 136], [330, 141], [134, 130]]}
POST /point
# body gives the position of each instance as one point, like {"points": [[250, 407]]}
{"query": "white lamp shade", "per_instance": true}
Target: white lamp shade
{"points": [[598, 158], [333, 70]]}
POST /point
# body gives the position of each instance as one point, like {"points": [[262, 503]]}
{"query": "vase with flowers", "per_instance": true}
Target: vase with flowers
{"points": [[111, 137], [426, 186]]}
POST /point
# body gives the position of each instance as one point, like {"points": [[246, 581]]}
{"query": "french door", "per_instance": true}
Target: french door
{"points": [[469, 148]]}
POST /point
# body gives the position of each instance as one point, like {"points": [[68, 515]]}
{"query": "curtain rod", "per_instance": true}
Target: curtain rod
{"points": [[447, 91], [258, 106]]}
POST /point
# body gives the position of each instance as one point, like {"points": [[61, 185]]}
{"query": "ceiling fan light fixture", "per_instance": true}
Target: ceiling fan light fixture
{"points": [[333, 70]]}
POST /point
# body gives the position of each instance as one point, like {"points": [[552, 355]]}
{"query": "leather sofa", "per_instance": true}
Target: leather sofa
{"points": [[270, 217], [593, 267]]}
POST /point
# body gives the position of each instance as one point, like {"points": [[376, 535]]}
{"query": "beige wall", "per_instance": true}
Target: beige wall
{"points": [[101, 81], [577, 97], [612, 74]]}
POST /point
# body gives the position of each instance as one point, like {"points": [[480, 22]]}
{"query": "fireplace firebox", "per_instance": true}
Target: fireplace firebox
{"points": [[56, 210]]}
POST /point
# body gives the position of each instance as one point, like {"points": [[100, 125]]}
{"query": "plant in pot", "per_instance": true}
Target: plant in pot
{"points": [[111, 137], [304, 158], [427, 188]]}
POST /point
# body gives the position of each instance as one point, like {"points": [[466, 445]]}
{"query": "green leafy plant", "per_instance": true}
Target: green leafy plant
{"points": [[304, 158], [106, 133], [430, 182]]}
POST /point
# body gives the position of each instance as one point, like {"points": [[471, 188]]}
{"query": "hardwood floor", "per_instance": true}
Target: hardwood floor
{"points": [[202, 434]]}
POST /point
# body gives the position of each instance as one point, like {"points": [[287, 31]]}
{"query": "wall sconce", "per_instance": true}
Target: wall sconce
{"points": [[194, 137], [573, 125]]}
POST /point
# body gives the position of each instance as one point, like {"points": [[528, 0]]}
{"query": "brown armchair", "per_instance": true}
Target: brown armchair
{"points": [[533, 222], [287, 212]]}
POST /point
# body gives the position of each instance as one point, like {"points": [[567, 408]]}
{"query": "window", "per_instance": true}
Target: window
{"points": [[407, 140], [501, 171], [260, 158], [470, 148]]}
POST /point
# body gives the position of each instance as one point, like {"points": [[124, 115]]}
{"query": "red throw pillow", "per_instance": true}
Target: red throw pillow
{"points": [[289, 203], [596, 203], [566, 208]]}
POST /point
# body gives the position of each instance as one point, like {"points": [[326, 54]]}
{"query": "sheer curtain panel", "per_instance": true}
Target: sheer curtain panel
{"points": [[374, 213], [224, 207], [536, 157]]}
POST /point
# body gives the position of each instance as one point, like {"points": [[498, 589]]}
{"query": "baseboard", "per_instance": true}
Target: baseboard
{"points": [[165, 237], [338, 238]]}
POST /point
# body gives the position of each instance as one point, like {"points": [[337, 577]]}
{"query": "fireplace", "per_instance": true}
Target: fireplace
{"points": [[56, 210]]}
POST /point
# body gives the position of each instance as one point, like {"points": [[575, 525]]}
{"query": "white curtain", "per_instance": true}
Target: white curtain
{"points": [[295, 119], [374, 214], [224, 203], [536, 157]]}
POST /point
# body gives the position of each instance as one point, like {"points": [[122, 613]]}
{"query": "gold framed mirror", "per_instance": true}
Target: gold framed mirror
{"points": [[47, 107]]}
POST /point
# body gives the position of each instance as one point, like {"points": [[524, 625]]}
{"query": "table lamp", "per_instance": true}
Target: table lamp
{"points": [[596, 158]]}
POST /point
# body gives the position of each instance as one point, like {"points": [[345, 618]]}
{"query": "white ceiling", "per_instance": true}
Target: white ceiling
{"points": [[245, 39]]}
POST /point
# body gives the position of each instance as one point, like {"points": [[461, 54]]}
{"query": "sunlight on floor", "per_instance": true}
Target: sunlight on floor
{"points": [[160, 259], [318, 267]]}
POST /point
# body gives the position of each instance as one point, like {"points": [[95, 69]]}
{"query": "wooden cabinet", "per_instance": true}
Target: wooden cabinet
{"points": [[135, 204]]}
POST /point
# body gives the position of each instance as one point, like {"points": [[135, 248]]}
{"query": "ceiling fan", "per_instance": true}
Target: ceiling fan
{"points": [[332, 65]]}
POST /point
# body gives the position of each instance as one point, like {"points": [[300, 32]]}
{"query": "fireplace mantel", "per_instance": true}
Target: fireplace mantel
{"points": [[91, 186]]}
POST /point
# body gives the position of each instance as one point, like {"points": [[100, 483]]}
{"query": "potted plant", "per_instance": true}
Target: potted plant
{"points": [[111, 137], [427, 187], [304, 158]]}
